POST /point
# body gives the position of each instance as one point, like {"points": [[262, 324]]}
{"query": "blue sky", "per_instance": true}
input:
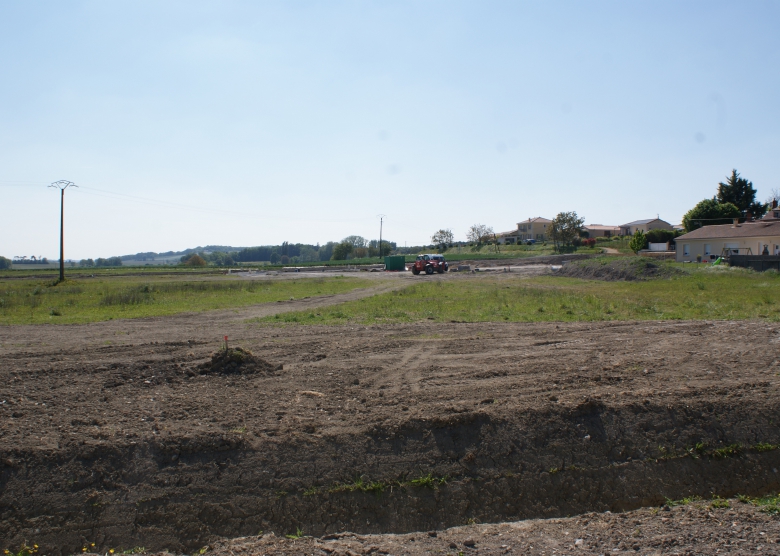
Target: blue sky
{"points": [[251, 123]]}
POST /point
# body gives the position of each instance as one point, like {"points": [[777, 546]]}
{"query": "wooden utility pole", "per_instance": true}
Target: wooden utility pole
{"points": [[62, 185]]}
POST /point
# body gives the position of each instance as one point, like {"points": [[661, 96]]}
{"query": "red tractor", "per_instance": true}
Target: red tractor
{"points": [[430, 264]]}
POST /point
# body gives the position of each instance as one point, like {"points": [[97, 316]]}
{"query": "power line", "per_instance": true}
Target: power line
{"points": [[97, 192]]}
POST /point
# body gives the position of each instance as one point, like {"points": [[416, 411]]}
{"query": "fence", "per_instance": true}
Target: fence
{"points": [[756, 262]]}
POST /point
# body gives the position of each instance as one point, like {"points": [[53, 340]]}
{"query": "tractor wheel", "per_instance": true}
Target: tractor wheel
{"points": [[429, 269], [415, 271]]}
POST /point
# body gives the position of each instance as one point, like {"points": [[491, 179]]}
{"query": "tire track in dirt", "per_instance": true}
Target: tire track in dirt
{"points": [[204, 326]]}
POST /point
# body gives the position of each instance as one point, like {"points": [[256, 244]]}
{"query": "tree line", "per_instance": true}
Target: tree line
{"points": [[351, 247]]}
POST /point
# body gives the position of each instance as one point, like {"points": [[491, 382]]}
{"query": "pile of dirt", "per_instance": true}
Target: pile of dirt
{"points": [[619, 268], [237, 361]]}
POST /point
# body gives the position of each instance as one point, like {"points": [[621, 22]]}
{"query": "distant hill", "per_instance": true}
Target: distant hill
{"points": [[151, 255]]}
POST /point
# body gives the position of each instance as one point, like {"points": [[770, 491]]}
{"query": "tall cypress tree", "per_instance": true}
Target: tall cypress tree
{"points": [[740, 192]]}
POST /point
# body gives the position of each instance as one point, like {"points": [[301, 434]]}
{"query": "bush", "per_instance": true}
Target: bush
{"points": [[5, 263], [638, 241], [195, 260], [660, 236]]}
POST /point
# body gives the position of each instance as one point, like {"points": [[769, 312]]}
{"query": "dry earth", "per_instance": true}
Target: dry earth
{"points": [[110, 434], [690, 530]]}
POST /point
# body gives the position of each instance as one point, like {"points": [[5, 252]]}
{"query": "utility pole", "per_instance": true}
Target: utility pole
{"points": [[381, 218], [62, 185]]}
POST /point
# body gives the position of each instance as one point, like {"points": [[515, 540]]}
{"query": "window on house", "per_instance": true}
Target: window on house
{"points": [[686, 249], [706, 248]]}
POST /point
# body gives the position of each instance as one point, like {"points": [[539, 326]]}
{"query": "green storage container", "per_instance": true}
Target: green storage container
{"points": [[395, 262]]}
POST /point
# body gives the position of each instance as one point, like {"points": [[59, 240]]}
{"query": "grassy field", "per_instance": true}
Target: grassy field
{"points": [[105, 298], [699, 294]]}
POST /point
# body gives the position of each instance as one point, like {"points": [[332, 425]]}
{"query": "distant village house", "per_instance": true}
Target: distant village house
{"points": [[533, 228], [645, 226], [599, 230]]}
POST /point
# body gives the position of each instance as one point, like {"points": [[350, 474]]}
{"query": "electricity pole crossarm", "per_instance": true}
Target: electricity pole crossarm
{"points": [[62, 185]]}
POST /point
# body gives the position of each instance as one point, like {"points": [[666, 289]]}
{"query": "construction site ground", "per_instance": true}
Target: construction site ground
{"points": [[118, 433]]}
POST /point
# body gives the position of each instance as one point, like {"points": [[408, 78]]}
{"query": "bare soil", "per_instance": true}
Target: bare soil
{"points": [[110, 434], [698, 528]]}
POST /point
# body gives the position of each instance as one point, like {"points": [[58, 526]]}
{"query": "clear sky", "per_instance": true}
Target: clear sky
{"points": [[252, 123]]}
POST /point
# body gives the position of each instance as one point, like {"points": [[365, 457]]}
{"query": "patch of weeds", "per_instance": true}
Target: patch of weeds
{"points": [[281, 494], [297, 535], [682, 501], [54, 312], [767, 504], [24, 550], [554, 470], [311, 491], [698, 450], [428, 481], [359, 485], [765, 447], [718, 502], [239, 430], [730, 451]]}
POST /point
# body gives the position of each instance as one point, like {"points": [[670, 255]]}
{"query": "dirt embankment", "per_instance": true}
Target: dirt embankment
{"points": [[619, 268], [381, 429]]}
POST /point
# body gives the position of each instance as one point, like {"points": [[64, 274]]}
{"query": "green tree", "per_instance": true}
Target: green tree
{"points": [[741, 193], [326, 251], [5, 263], [638, 241], [342, 251], [479, 234], [356, 241], [443, 238], [195, 260], [709, 212], [565, 228]]}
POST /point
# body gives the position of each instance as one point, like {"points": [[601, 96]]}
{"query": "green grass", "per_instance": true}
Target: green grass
{"points": [[105, 298], [767, 504], [698, 294]]}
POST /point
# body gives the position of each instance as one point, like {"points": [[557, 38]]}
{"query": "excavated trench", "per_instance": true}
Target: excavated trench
{"points": [[179, 493]]}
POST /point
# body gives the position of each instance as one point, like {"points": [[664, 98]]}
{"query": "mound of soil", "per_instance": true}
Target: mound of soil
{"points": [[619, 268], [237, 361]]}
